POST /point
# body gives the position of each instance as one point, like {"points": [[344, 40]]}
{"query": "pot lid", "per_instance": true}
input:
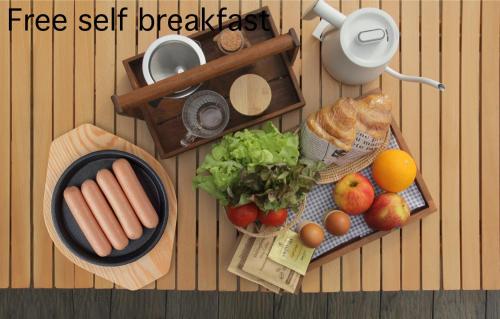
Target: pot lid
{"points": [[369, 37]]}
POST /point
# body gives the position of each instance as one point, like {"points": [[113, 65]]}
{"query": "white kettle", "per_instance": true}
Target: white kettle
{"points": [[356, 49]]}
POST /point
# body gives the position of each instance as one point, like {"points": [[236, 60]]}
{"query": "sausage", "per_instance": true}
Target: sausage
{"points": [[104, 215], [116, 198], [86, 221], [135, 193]]}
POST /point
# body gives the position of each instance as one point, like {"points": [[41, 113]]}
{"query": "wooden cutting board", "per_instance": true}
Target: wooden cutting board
{"points": [[88, 138]]}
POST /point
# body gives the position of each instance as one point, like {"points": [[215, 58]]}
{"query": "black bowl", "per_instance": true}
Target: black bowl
{"points": [[86, 167]]}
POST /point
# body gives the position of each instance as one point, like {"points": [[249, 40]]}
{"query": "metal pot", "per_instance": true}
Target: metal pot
{"points": [[171, 55]]}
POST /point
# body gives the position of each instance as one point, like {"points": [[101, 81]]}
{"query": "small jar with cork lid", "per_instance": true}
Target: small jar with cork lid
{"points": [[230, 41]]}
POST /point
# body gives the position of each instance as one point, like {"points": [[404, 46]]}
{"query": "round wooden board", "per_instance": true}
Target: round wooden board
{"points": [[250, 94], [88, 138]]}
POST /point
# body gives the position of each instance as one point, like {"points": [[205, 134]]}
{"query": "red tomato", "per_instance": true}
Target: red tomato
{"points": [[274, 217], [242, 215]]}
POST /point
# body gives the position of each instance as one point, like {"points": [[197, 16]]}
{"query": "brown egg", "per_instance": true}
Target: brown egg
{"points": [[337, 222], [311, 234]]}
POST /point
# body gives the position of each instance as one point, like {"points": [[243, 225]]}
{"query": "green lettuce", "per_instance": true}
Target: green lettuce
{"points": [[229, 171]]}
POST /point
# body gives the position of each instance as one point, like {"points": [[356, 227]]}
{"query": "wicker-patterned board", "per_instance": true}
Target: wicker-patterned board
{"points": [[86, 139]]}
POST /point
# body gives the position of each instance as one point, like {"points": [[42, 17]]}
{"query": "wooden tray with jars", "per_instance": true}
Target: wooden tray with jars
{"points": [[266, 53]]}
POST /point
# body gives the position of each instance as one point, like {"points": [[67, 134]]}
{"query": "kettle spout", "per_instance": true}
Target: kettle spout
{"points": [[325, 11], [438, 85]]}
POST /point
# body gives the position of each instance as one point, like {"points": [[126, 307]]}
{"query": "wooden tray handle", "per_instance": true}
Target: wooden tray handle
{"points": [[228, 63]]}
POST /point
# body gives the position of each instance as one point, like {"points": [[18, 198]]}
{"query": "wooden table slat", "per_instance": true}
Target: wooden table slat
{"points": [[450, 145], [227, 233], [330, 92], [104, 87], [370, 253], [410, 125], [391, 262], [5, 133], [170, 165], [64, 270], [430, 104], [20, 190], [186, 252], [311, 88], [469, 155], [490, 157], [207, 212], [84, 99], [42, 137], [246, 6]]}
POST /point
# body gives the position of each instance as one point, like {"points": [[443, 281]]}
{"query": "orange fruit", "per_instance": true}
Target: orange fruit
{"points": [[394, 170]]}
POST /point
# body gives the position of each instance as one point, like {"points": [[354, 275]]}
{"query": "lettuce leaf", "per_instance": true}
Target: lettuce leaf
{"points": [[243, 166]]}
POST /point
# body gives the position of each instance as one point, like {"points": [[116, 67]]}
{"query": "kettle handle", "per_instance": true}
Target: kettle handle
{"points": [[321, 29]]}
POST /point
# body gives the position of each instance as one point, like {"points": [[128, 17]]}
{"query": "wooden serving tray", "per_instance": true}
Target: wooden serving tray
{"points": [[79, 142], [415, 215], [164, 121]]}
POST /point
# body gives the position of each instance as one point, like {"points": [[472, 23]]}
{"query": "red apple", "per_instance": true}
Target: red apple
{"points": [[388, 211], [354, 194]]}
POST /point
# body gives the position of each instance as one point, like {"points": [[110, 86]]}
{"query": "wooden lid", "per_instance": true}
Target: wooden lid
{"points": [[250, 94]]}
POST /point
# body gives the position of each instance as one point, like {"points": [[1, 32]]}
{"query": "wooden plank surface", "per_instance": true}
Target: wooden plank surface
{"points": [[453, 136], [302, 306], [248, 5], [84, 99], [330, 92], [450, 146], [42, 137], [459, 304], [227, 234], [5, 134], [170, 165], [430, 110], [469, 155], [370, 253], [490, 157], [311, 89], [186, 237], [20, 184], [104, 87], [191, 304], [391, 244], [358, 305], [245, 305], [64, 270], [207, 212], [410, 127], [86, 303], [351, 262], [415, 304]]}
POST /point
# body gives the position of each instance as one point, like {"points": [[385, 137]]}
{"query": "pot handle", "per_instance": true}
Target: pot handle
{"points": [[321, 29], [126, 103]]}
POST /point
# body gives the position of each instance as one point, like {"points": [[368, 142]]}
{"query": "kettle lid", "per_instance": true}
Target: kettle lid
{"points": [[369, 37]]}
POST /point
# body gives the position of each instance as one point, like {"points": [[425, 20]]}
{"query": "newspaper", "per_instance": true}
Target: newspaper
{"points": [[316, 148]]}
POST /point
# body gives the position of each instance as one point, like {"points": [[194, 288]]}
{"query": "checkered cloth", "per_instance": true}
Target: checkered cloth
{"points": [[320, 201]]}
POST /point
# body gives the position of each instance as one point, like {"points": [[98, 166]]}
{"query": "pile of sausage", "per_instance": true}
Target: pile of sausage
{"points": [[111, 211]]}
